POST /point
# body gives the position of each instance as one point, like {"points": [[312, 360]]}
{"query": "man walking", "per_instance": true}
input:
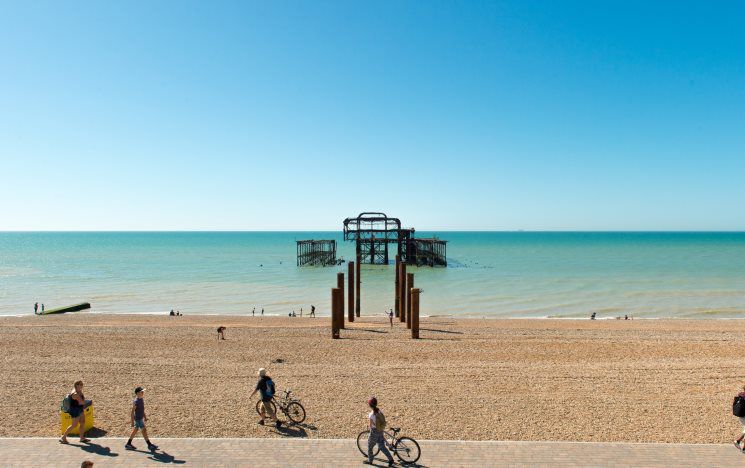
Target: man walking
{"points": [[265, 386]]}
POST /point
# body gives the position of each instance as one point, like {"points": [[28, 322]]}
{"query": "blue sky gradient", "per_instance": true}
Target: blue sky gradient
{"points": [[449, 115]]}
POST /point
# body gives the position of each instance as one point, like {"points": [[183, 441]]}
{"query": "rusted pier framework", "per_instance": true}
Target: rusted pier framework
{"points": [[316, 253], [376, 234]]}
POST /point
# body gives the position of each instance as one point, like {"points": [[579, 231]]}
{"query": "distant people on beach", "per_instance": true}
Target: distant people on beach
{"points": [[221, 332], [625, 317], [172, 314], [74, 404], [253, 312], [301, 311], [138, 418], [262, 311], [313, 311], [738, 409], [42, 308], [178, 313], [36, 308], [390, 317], [592, 317], [376, 421], [265, 387]]}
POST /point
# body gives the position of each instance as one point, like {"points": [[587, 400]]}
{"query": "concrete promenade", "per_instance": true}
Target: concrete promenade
{"points": [[341, 453]]}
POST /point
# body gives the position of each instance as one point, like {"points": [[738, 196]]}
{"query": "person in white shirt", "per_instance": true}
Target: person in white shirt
{"points": [[376, 420]]}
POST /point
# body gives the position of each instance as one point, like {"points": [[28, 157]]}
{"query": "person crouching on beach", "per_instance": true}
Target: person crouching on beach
{"points": [[76, 410], [265, 386], [138, 418], [376, 420], [221, 333]]}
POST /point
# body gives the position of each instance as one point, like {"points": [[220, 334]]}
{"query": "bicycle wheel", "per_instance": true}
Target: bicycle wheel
{"points": [[295, 412], [271, 403], [362, 443], [407, 450]]}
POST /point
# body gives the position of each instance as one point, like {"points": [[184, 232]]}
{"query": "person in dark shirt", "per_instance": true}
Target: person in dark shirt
{"points": [[221, 332], [313, 311], [138, 418], [390, 317], [78, 404], [265, 386]]}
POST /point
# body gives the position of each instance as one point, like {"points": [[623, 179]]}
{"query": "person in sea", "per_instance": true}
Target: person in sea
{"points": [[376, 421], [390, 317], [265, 387], [76, 409], [221, 332], [137, 419], [313, 311], [742, 421]]}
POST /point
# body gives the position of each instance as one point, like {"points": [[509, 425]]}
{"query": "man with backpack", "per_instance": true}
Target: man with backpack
{"points": [[376, 419], [265, 387], [738, 409]]}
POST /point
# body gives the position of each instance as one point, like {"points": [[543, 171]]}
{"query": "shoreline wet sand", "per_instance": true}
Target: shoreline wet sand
{"points": [[606, 380]]}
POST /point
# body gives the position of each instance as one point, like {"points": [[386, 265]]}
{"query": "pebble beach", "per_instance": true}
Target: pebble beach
{"points": [[667, 380]]}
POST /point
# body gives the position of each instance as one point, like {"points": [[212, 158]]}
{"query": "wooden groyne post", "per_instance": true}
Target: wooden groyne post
{"points": [[415, 312], [402, 290], [397, 297], [335, 298], [340, 287], [350, 302], [409, 287]]}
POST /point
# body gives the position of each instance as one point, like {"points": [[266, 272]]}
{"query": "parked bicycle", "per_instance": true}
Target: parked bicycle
{"points": [[290, 407], [406, 449]]}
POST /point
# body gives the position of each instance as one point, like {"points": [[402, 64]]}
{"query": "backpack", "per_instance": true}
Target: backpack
{"points": [[380, 421], [738, 406], [269, 388], [65, 405]]}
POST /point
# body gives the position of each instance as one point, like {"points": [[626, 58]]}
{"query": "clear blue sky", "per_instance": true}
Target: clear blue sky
{"points": [[245, 115]]}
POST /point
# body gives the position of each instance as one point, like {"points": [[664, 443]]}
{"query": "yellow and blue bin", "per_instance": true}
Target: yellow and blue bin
{"points": [[65, 420]]}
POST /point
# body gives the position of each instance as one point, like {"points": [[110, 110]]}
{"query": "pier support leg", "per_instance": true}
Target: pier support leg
{"points": [[415, 312], [357, 285], [350, 302], [409, 287], [335, 298], [340, 287], [402, 290], [397, 297]]}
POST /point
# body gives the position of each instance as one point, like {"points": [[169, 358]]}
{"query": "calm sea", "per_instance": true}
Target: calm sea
{"points": [[492, 274]]}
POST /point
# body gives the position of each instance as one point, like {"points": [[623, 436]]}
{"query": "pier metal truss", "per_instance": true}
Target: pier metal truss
{"points": [[316, 253], [374, 232]]}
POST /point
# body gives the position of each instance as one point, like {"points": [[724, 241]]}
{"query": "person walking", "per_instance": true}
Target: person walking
{"points": [[138, 418], [253, 312], [313, 311], [75, 406], [390, 317], [265, 386], [262, 311], [738, 408], [376, 421]]}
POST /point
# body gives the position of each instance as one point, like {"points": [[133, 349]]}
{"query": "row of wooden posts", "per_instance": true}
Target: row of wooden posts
{"points": [[406, 299]]}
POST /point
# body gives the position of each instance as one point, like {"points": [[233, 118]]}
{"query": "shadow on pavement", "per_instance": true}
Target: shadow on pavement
{"points": [[91, 447]]}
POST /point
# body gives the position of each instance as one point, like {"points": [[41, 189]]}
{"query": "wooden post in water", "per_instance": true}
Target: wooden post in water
{"points": [[397, 298], [350, 302], [335, 313], [409, 287], [340, 287], [402, 288], [415, 312], [357, 286]]}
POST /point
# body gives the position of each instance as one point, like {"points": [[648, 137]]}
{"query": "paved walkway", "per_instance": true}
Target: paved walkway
{"points": [[338, 453]]}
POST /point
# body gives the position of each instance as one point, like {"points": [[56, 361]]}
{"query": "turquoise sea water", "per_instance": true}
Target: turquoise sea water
{"points": [[492, 274]]}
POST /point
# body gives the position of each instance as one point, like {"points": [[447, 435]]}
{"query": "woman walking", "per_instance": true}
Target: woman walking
{"points": [[76, 412], [376, 419]]}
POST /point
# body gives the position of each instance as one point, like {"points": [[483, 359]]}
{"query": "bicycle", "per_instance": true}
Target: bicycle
{"points": [[406, 448], [291, 407]]}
